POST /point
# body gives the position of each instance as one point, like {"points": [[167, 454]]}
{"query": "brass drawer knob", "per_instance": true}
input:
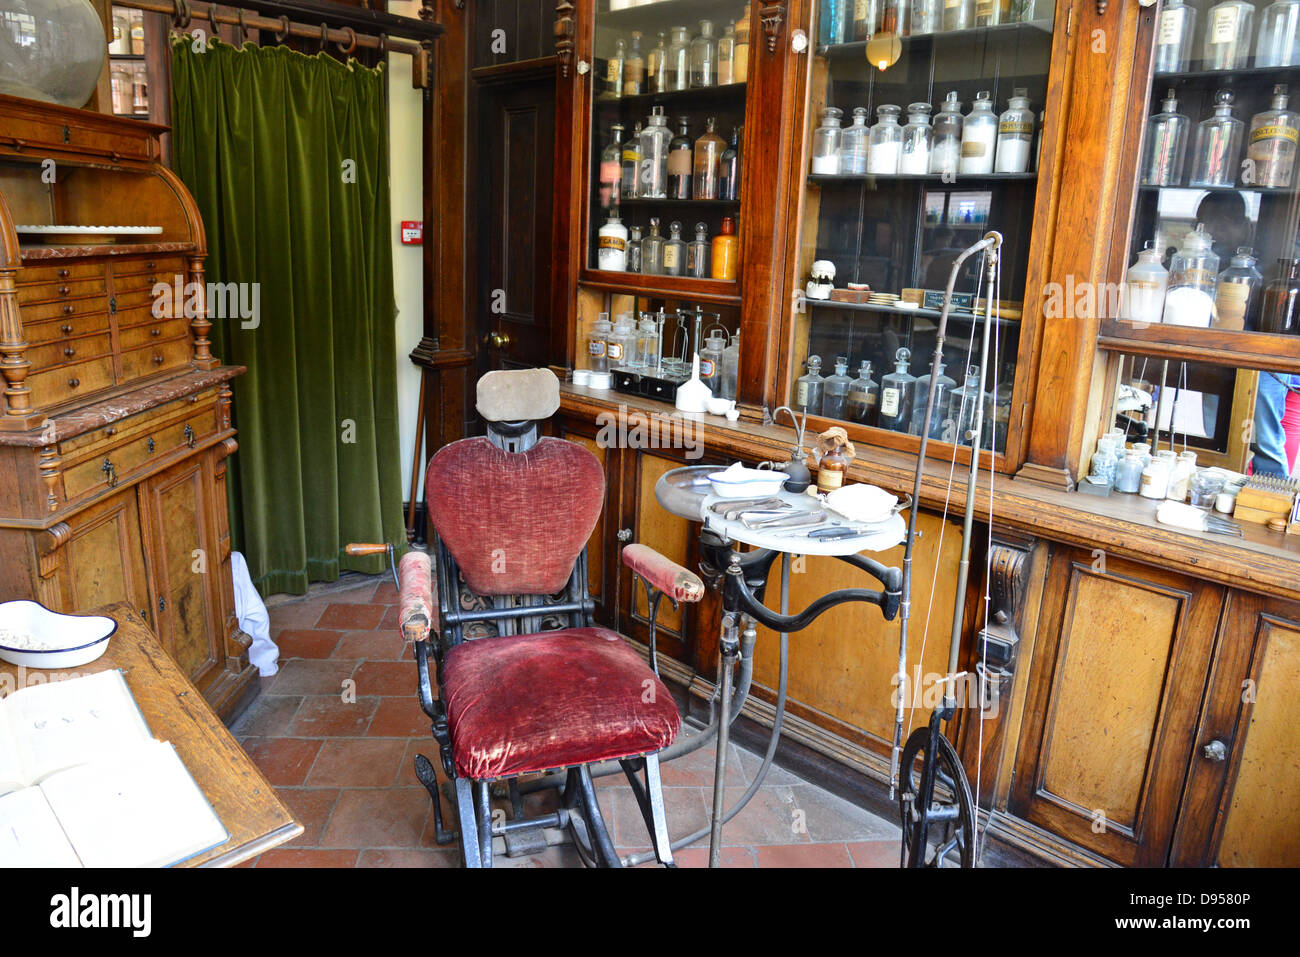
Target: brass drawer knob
{"points": [[110, 472], [190, 437], [64, 290], [73, 383], [151, 265], [157, 359], [66, 330], [155, 332], [69, 351], [152, 445], [110, 431], [68, 310], [64, 273]]}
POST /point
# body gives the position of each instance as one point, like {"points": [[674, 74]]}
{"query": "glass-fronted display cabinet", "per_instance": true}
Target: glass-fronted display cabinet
{"points": [[923, 133]]}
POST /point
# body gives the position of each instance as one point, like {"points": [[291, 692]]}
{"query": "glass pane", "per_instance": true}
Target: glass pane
{"points": [[667, 140], [924, 135]]}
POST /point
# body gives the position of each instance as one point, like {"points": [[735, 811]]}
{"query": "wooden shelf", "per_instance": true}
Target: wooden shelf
{"points": [[664, 14], [1254, 75], [42, 253], [1262, 190], [962, 179], [954, 315], [720, 291], [975, 35], [674, 100], [701, 203], [1253, 350]]}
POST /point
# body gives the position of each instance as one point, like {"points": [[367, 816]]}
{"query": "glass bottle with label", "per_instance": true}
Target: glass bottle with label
{"points": [[598, 345], [707, 163], [897, 394], [926, 17], [677, 76], [632, 164], [1165, 149], [1174, 37], [622, 342], [979, 134], [611, 252], [832, 468], [727, 55], [697, 253], [866, 17], [1271, 145], [729, 168], [1281, 310], [963, 402], [1279, 35], [1237, 293], [1155, 477], [885, 142], [958, 15], [1193, 276], [654, 156], [614, 72], [137, 32], [836, 390], [724, 256], [658, 65], [711, 360], [680, 158], [1217, 153], [826, 143], [740, 69], [1015, 134], [1228, 29], [808, 388], [945, 147], [634, 250], [611, 169], [915, 157], [674, 251], [634, 68], [853, 143], [652, 250], [121, 42], [989, 13], [1145, 286], [864, 396], [943, 388], [704, 57]]}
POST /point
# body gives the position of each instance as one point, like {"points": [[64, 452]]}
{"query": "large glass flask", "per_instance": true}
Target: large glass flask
{"points": [[1165, 149], [1217, 152], [654, 156]]}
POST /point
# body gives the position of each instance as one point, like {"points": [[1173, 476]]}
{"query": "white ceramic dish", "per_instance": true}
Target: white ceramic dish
{"points": [[71, 640], [746, 483]]}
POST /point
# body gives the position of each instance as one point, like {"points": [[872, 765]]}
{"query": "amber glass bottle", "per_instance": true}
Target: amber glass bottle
{"points": [[726, 250]]}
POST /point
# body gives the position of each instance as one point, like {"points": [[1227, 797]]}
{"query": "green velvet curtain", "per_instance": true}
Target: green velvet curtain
{"points": [[287, 157]]}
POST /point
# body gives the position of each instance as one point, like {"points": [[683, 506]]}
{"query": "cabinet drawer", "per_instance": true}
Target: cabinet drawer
{"points": [[150, 333], [133, 298], [40, 274], [68, 327], [60, 289], [155, 358], [144, 273], [70, 382], [70, 350], [144, 316], [62, 308], [117, 461]]}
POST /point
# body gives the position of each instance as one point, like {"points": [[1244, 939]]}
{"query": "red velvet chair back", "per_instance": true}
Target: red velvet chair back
{"points": [[514, 521]]}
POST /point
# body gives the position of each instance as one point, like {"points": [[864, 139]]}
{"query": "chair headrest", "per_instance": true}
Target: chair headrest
{"points": [[518, 395]]}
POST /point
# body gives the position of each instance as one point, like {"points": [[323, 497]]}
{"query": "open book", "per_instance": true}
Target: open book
{"points": [[84, 783]]}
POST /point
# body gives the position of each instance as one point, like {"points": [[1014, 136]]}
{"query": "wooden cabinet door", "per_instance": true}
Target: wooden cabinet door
{"points": [[1114, 691], [1242, 807], [104, 558], [184, 563], [602, 579]]}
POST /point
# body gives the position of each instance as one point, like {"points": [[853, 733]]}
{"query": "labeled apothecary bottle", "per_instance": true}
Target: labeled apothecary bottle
{"points": [[943, 388], [614, 71], [711, 360], [1165, 150], [1281, 311], [808, 388], [1015, 134], [1144, 289], [1174, 32], [704, 57], [864, 396], [1217, 153], [652, 250], [674, 261], [658, 66], [725, 252], [835, 393], [826, 143], [897, 394], [634, 250], [958, 14], [634, 68], [1229, 27], [611, 168], [979, 137], [654, 156], [1279, 35], [622, 342], [680, 158], [597, 344], [727, 56], [697, 253], [927, 16], [740, 70], [885, 142], [1271, 146], [1155, 477], [833, 467], [945, 148], [647, 344], [677, 75], [631, 163], [1237, 293], [989, 13], [914, 159], [853, 143], [729, 169], [866, 18], [707, 163], [611, 249], [1193, 276]]}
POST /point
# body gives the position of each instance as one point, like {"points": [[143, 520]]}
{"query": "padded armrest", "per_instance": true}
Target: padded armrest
{"points": [[678, 583], [417, 609]]}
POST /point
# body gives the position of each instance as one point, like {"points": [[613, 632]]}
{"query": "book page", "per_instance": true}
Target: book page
{"points": [[139, 809], [66, 723], [30, 834], [12, 775]]}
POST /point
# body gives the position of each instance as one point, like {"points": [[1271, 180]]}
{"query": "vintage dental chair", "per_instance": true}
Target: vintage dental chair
{"points": [[526, 684]]}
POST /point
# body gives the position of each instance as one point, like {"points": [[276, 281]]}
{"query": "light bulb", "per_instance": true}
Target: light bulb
{"points": [[883, 50]]}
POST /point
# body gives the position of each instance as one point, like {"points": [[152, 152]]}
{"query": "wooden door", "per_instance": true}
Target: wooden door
{"points": [[185, 565], [1242, 804], [1113, 695], [515, 189], [104, 558]]}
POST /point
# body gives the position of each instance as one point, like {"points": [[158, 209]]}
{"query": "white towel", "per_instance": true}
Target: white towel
{"points": [[253, 619]]}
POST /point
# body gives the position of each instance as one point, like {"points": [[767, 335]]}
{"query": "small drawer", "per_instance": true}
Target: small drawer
{"points": [[63, 309], [143, 316], [117, 457], [144, 273], [70, 382], [68, 327], [133, 299], [60, 290], [153, 359], [70, 350], [199, 408], [150, 333], [60, 272]]}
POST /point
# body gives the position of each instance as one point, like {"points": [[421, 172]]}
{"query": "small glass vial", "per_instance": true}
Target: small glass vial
{"points": [[1281, 310], [897, 394], [634, 68], [1015, 134], [704, 57], [864, 396], [727, 56], [632, 164], [711, 360], [677, 74], [611, 247], [724, 254], [1174, 37], [885, 142], [1165, 149], [647, 344], [611, 168], [1193, 275], [1228, 29], [853, 143], [927, 16], [832, 468], [697, 253], [1217, 154], [808, 388], [836, 392], [614, 72], [958, 14], [729, 169], [730, 367], [1271, 145], [652, 250], [674, 261], [979, 137], [1155, 477], [659, 66], [1237, 293], [680, 158], [1279, 35], [914, 160], [654, 156], [1144, 288], [598, 344], [945, 148], [943, 388], [634, 250], [707, 163], [1128, 472], [964, 404], [826, 143]]}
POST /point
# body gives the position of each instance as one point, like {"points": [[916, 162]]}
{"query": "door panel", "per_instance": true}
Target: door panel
{"points": [[105, 557]]}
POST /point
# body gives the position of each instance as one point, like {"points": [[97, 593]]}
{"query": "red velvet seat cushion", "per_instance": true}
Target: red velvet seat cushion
{"points": [[552, 700]]}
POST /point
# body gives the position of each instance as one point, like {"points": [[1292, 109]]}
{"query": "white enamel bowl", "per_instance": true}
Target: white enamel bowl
{"points": [[70, 640]]}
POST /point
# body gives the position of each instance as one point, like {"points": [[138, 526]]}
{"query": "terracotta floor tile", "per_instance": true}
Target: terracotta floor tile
{"points": [[387, 678], [771, 817], [330, 716], [696, 769], [391, 618], [875, 853], [411, 857], [399, 717], [376, 645], [699, 857], [284, 761], [685, 807], [307, 857], [352, 617], [357, 762], [303, 613], [304, 676], [307, 643], [268, 716], [418, 744], [359, 594], [312, 807], [385, 594], [804, 855], [378, 817]]}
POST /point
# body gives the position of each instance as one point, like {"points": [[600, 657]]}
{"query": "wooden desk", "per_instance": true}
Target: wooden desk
{"points": [[175, 710]]}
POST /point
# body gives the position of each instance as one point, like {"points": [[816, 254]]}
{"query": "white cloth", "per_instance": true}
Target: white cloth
{"points": [[253, 619]]}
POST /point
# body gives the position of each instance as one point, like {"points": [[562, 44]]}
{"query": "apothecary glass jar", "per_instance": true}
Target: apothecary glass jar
{"points": [[51, 50]]}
